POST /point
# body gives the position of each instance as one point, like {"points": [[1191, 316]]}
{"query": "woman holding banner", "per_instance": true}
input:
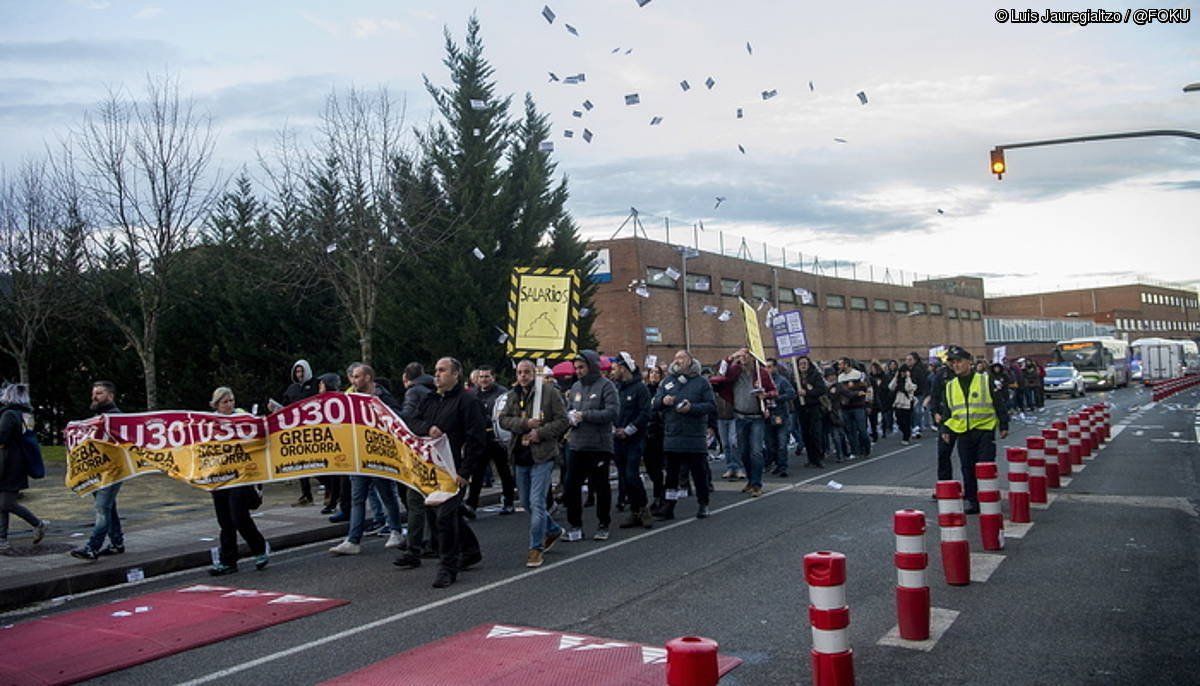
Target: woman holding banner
{"points": [[233, 506]]}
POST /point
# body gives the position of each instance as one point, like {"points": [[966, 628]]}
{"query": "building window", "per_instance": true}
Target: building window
{"points": [[731, 287], [701, 283], [900, 306], [935, 309], [857, 303], [975, 315], [882, 305], [787, 295], [657, 276], [919, 308], [835, 302], [760, 292], [952, 313]]}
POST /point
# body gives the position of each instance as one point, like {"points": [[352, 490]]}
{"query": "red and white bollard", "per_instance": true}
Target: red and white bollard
{"points": [[952, 522], [1074, 440], [1035, 446], [1087, 432], [1105, 419], [991, 518], [912, 591], [1050, 441], [832, 658], [1018, 485], [1064, 449], [692, 661]]}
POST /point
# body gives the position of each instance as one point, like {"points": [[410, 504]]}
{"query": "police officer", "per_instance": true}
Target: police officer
{"points": [[969, 413]]}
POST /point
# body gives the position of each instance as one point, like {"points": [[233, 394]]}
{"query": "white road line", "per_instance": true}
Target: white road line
{"points": [[940, 620], [983, 565], [384, 621], [1015, 530], [60, 600]]}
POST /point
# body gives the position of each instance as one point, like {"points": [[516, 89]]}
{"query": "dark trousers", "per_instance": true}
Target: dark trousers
{"points": [[653, 460], [873, 422], [343, 491], [589, 466], [455, 538], [627, 452], [333, 488], [422, 535], [233, 515], [809, 418], [973, 446], [695, 464], [904, 419], [495, 454]]}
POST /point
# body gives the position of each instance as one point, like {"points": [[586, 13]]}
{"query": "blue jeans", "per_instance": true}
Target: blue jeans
{"points": [[627, 454], [359, 485], [837, 436], [856, 431], [728, 435], [777, 441], [533, 483], [108, 522], [750, 432], [920, 415]]}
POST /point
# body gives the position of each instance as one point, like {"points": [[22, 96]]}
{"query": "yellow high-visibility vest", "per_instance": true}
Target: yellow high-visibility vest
{"points": [[974, 412]]}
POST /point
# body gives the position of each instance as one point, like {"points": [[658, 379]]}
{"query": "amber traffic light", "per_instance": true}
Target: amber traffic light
{"points": [[998, 166]]}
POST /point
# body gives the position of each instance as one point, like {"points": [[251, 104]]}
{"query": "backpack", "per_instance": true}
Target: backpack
{"points": [[31, 455]]}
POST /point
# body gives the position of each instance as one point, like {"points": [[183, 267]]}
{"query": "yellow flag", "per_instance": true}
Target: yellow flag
{"points": [[753, 332]]}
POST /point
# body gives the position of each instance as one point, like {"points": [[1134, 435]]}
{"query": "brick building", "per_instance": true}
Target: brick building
{"points": [[1134, 310], [861, 319]]}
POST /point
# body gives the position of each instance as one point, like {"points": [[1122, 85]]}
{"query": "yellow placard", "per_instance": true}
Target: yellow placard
{"points": [[543, 312], [753, 332]]}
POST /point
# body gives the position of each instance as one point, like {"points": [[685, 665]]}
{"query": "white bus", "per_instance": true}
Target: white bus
{"points": [[1103, 361]]}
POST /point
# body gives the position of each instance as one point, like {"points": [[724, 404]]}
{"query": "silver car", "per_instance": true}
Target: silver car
{"points": [[1064, 379]]}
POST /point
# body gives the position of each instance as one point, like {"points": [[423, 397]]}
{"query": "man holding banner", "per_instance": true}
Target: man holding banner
{"points": [[746, 385], [457, 415]]}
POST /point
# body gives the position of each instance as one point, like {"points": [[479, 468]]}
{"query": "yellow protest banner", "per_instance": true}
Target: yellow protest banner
{"points": [[332, 433], [543, 312], [753, 332]]}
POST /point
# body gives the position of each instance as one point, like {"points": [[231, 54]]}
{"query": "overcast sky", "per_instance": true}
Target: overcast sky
{"points": [[945, 83]]}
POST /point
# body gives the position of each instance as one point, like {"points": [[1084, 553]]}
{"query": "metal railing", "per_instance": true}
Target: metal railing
{"points": [[728, 244]]}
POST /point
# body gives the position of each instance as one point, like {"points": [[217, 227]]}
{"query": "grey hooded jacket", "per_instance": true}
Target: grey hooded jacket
{"points": [[595, 398]]}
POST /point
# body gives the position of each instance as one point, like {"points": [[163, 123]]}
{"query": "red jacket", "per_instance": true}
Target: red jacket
{"points": [[723, 383]]}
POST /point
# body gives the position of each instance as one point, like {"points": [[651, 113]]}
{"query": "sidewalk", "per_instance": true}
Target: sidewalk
{"points": [[168, 526]]}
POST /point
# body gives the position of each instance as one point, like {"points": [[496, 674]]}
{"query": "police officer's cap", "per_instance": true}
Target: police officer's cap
{"points": [[957, 352]]}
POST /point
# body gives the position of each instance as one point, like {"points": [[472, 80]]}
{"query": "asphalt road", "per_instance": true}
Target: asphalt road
{"points": [[1100, 590]]}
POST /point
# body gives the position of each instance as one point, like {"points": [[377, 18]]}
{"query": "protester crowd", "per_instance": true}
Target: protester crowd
{"points": [[553, 441]]}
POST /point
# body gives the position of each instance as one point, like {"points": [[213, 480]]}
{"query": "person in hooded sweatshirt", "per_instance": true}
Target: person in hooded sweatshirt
{"points": [[15, 416], [686, 401], [422, 536], [303, 385], [629, 437], [592, 407]]}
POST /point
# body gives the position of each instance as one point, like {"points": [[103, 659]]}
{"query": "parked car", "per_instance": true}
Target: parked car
{"points": [[1064, 379]]}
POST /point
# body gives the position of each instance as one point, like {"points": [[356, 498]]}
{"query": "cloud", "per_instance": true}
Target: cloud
{"points": [[360, 27], [148, 12], [95, 5], [1191, 185], [89, 51]]}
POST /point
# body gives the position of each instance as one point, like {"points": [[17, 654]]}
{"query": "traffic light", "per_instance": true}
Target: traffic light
{"points": [[998, 166]]}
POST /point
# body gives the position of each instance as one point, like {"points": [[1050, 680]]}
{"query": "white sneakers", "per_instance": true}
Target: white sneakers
{"points": [[395, 540], [346, 548]]}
